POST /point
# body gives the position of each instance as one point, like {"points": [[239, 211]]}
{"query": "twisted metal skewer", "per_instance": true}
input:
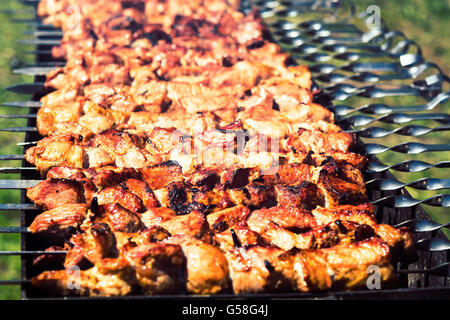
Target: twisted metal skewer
{"points": [[404, 201], [407, 166], [421, 184]]}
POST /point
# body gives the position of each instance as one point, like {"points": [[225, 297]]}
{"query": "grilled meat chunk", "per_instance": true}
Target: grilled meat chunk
{"points": [[362, 214], [110, 277], [207, 268], [160, 268], [294, 219], [53, 193], [94, 243], [56, 222]]}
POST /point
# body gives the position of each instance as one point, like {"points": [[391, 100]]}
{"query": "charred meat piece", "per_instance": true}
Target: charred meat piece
{"points": [[305, 196], [49, 261], [339, 192], [94, 243], [161, 175]]}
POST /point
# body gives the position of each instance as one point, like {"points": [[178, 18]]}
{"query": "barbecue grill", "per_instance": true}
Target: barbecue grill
{"points": [[345, 62]]}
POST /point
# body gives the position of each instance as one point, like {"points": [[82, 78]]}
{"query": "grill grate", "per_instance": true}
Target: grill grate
{"points": [[345, 64]]}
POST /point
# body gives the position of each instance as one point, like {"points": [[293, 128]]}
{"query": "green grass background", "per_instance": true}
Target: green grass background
{"points": [[425, 21]]}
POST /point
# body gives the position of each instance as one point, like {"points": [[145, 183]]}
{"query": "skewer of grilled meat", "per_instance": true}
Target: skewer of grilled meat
{"points": [[284, 227], [231, 144], [292, 185], [141, 107], [106, 25], [163, 55], [203, 269]]}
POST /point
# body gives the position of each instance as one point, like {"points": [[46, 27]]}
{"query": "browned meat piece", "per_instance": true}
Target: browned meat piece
{"points": [[304, 196], [293, 219], [58, 221], [362, 214], [104, 149], [292, 174], [358, 161], [156, 216], [268, 269], [288, 95], [101, 177], [252, 271], [338, 191], [238, 235], [207, 268], [193, 224], [118, 218], [161, 175], [349, 263], [283, 238], [52, 193], [332, 234], [142, 190], [110, 277], [401, 241], [220, 221], [163, 140], [317, 141], [122, 196], [50, 115], [160, 268], [55, 151], [253, 195], [205, 179], [125, 241], [94, 243]]}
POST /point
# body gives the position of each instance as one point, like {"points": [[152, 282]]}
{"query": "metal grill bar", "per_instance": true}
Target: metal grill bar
{"points": [[8, 157], [20, 129], [18, 184], [23, 104], [17, 206], [30, 253]]}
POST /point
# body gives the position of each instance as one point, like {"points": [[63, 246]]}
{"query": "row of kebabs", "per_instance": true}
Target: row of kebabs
{"points": [[183, 153], [156, 231]]}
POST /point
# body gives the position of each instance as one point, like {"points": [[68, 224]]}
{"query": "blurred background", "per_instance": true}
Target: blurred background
{"points": [[424, 21]]}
